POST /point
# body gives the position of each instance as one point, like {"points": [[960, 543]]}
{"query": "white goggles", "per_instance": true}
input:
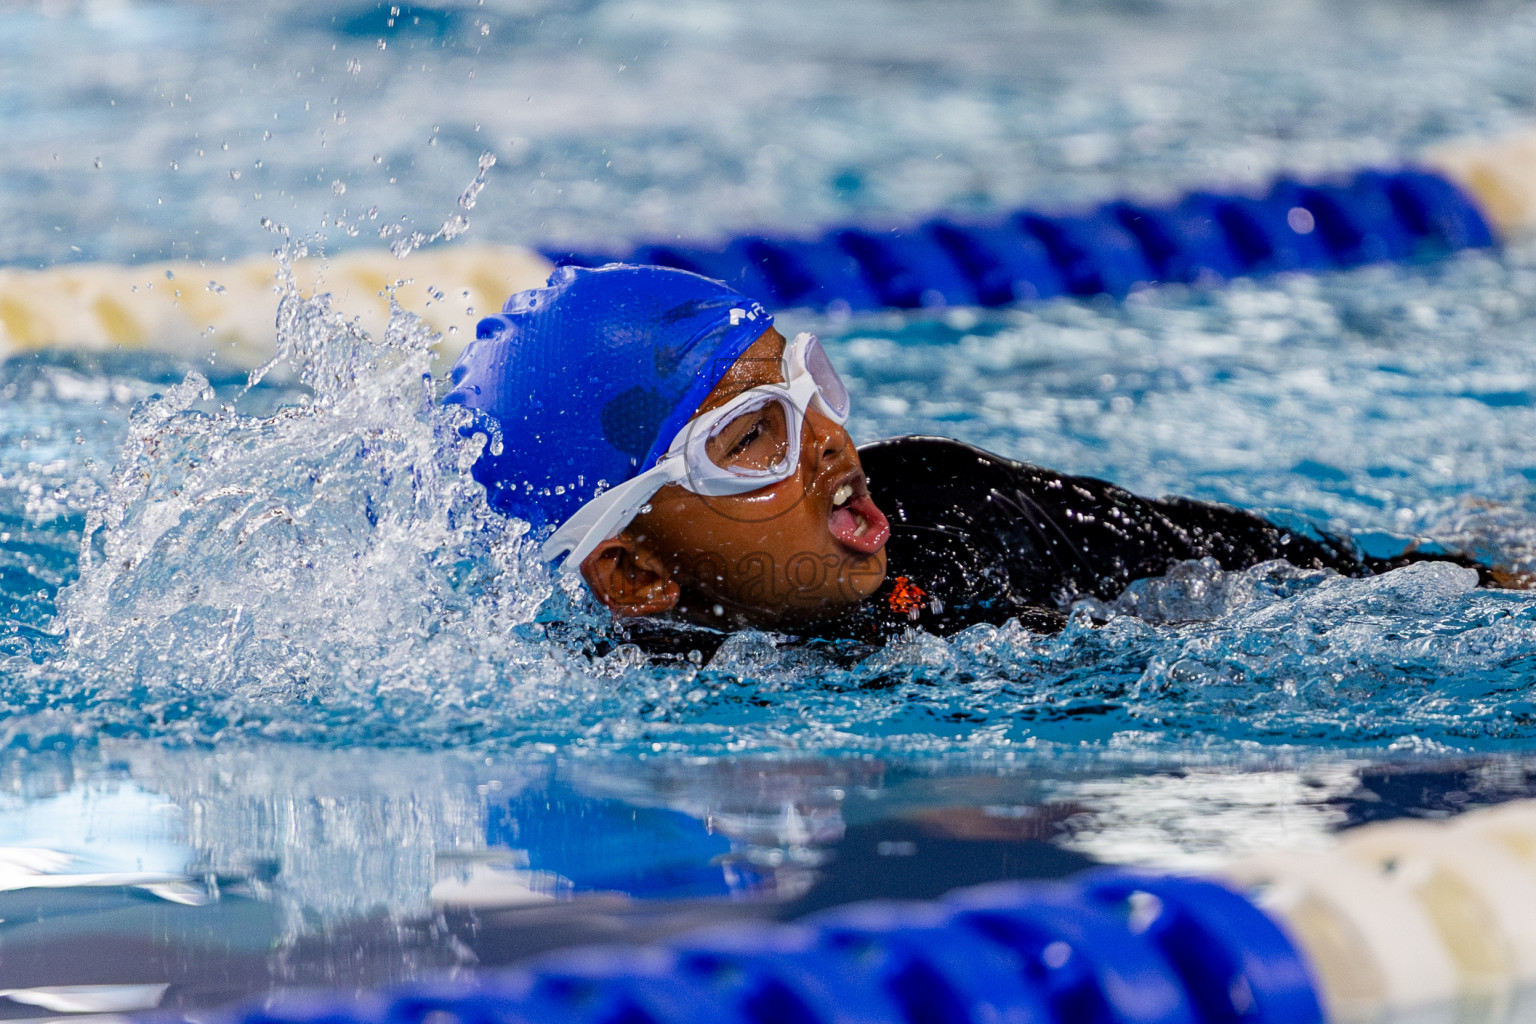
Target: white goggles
{"points": [[750, 442]]}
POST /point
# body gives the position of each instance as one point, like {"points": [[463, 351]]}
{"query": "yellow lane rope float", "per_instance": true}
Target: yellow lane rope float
{"points": [[194, 307]]}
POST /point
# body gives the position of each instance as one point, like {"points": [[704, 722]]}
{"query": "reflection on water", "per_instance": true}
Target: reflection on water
{"points": [[89, 998], [188, 879]]}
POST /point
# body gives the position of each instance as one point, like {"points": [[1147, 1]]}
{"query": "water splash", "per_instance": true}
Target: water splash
{"points": [[329, 564], [1199, 659], [457, 223]]}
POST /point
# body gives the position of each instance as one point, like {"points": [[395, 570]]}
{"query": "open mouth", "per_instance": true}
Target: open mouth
{"points": [[855, 519]]}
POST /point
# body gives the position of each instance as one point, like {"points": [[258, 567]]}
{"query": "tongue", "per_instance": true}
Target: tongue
{"points": [[860, 525]]}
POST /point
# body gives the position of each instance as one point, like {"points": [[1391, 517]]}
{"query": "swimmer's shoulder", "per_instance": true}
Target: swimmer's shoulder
{"points": [[904, 469], [932, 459], [921, 478], [930, 453]]}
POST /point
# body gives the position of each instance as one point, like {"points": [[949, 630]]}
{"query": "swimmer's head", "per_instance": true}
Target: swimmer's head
{"points": [[590, 377], [689, 456]]}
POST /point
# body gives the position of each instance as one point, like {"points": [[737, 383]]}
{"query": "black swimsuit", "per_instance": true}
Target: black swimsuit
{"points": [[979, 538]]}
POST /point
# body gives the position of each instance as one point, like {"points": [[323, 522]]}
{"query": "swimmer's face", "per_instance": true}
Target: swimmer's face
{"points": [[793, 551]]}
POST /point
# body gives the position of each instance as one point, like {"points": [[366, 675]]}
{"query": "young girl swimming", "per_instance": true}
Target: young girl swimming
{"points": [[693, 463]]}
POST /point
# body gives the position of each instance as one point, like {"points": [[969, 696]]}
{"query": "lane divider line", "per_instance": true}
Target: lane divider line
{"points": [[1459, 196]]}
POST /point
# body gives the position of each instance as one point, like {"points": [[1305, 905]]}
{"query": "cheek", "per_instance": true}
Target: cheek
{"points": [[765, 512], [789, 531], [757, 535]]}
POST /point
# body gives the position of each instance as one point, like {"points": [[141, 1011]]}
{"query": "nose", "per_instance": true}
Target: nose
{"points": [[825, 439]]}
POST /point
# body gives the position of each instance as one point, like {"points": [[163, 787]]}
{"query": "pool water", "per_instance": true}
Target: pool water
{"points": [[285, 704]]}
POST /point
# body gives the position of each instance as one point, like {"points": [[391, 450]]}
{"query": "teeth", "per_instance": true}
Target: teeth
{"points": [[863, 527], [843, 494]]}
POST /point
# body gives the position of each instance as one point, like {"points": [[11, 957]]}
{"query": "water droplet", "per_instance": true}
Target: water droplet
{"points": [[97, 162], [355, 66], [378, 158], [383, 45], [338, 187], [485, 28], [216, 288], [234, 174]]}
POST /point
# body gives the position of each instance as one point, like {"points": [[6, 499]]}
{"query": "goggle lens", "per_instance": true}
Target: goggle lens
{"points": [[834, 393], [755, 440]]}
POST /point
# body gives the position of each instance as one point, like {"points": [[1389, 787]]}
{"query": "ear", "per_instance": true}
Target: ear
{"points": [[629, 579]]}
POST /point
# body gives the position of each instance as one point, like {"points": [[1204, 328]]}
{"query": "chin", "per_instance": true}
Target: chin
{"points": [[863, 582], [857, 579]]}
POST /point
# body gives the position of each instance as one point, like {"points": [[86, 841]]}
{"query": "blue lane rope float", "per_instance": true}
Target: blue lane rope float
{"points": [[1371, 216], [1109, 947]]}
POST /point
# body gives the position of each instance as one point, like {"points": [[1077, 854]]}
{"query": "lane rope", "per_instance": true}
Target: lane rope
{"points": [[1462, 195], [1409, 920], [1109, 948], [1372, 216]]}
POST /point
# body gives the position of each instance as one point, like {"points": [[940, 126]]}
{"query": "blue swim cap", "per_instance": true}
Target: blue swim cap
{"points": [[590, 378]]}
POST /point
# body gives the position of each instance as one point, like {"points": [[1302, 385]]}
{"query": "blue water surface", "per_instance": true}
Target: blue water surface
{"points": [[266, 642]]}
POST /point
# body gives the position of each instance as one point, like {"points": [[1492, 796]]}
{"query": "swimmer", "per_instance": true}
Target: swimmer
{"points": [[691, 463]]}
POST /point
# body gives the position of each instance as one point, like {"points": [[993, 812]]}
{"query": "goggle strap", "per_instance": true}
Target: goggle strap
{"points": [[603, 517]]}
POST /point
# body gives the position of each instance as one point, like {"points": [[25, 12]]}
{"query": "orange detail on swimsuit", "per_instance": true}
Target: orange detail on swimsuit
{"points": [[907, 597]]}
